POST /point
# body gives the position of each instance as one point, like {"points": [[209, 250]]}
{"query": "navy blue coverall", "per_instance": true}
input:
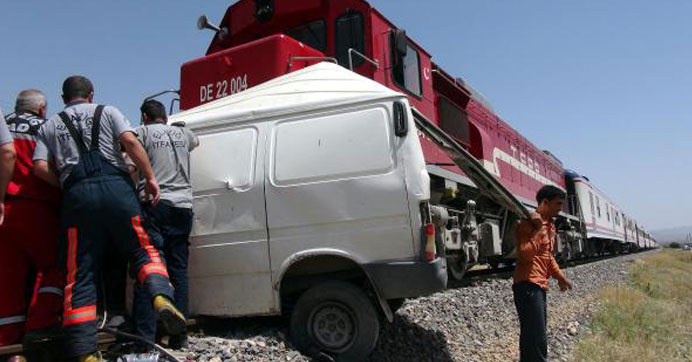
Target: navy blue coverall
{"points": [[99, 206]]}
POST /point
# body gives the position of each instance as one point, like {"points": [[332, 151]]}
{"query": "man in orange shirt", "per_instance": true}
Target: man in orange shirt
{"points": [[535, 264]]}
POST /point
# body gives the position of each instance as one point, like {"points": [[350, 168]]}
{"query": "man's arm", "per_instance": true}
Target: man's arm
{"points": [[44, 171], [192, 139], [134, 149], [555, 272], [526, 247], [8, 156]]}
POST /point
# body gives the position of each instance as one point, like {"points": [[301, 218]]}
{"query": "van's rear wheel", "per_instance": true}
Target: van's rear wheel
{"points": [[336, 318]]}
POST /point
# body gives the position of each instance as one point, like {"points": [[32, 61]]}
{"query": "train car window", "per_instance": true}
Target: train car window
{"points": [[593, 208], [313, 34], [598, 206], [454, 121], [406, 70], [607, 207], [349, 33]]}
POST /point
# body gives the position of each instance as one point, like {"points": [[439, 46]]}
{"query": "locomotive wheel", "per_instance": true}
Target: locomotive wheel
{"points": [[494, 263], [456, 267]]}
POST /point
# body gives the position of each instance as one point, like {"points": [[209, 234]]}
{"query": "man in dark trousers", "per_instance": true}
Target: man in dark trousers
{"points": [[535, 265], [170, 222], [31, 284], [99, 206]]}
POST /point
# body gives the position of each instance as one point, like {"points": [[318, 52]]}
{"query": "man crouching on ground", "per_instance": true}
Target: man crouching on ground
{"points": [[535, 264]]}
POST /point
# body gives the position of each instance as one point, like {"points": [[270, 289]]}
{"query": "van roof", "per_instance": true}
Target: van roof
{"points": [[319, 86]]}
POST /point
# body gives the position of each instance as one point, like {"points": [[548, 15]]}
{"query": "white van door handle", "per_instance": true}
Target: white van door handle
{"points": [[229, 185]]}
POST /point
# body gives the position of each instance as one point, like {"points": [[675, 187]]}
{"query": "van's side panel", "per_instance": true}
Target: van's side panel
{"points": [[335, 180], [229, 268]]}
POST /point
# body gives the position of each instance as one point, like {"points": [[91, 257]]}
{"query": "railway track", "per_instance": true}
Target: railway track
{"points": [[474, 275]]}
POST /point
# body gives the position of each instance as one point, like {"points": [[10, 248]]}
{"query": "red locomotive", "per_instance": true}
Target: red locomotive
{"points": [[258, 40]]}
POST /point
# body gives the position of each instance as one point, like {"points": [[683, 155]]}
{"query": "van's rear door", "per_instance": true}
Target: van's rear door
{"points": [[336, 185]]}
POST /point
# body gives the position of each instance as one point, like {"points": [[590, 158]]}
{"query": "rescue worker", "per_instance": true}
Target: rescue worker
{"points": [[99, 206], [28, 238], [7, 158], [535, 265], [170, 222]]}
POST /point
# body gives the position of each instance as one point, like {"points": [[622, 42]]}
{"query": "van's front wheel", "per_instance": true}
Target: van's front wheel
{"points": [[336, 318]]}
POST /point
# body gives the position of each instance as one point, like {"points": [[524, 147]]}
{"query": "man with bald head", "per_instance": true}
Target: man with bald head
{"points": [[28, 237]]}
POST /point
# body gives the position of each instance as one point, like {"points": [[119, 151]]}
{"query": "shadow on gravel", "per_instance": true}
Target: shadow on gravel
{"points": [[242, 328], [404, 340], [401, 340]]}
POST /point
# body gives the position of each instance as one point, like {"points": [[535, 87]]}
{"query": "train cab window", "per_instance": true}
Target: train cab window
{"points": [[349, 33], [406, 70], [313, 34]]}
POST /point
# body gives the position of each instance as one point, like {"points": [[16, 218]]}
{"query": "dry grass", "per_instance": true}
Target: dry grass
{"points": [[650, 319]]}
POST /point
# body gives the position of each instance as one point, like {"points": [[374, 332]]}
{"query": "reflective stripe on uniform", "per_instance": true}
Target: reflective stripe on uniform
{"points": [[149, 269], [156, 265], [71, 266], [51, 290], [12, 320], [79, 315]]}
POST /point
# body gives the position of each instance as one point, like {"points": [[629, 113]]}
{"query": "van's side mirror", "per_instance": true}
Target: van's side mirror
{"points": [[400, 43], [400, 120]]}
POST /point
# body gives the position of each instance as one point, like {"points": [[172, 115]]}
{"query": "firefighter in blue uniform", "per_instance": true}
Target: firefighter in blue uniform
{"points": [[80, 150]]}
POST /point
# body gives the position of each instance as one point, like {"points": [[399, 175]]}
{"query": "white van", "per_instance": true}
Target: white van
{"points": [[311, 198]]}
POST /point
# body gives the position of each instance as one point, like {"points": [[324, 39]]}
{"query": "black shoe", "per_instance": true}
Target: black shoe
{"points": [[178, 342]]}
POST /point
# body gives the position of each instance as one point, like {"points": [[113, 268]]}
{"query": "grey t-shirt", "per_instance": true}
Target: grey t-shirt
{"points": [[55, 143], [5, 136], [168, 148]]}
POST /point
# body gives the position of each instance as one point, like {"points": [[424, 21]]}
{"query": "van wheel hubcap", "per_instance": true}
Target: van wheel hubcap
{"points": [[333, 326]]}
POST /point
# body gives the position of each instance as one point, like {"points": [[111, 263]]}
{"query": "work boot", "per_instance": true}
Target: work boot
{"points": [[170, 316], [91, 357]]}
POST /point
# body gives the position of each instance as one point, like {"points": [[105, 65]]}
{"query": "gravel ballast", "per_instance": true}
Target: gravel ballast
{"points": [[477, 322]]}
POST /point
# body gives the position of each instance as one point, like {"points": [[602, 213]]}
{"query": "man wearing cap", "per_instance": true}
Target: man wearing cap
{"points": [[99, 206]]}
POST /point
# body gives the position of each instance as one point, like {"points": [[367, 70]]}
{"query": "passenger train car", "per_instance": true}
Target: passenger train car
{"points": [[259, 40], [607, 227]]}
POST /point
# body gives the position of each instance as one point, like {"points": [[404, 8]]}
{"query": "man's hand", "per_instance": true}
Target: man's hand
{"points": [[565, 285], [152, 192], [139, 157], [536, 221], [2, 212]]}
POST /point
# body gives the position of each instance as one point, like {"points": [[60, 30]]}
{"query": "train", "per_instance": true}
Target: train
{"points": [[260, 40]]}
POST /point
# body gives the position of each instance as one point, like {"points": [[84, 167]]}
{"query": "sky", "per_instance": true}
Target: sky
{"points": [[604, 85]]}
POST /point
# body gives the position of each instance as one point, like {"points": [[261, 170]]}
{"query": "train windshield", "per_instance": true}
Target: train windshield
{"points": [[313, 34]]}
